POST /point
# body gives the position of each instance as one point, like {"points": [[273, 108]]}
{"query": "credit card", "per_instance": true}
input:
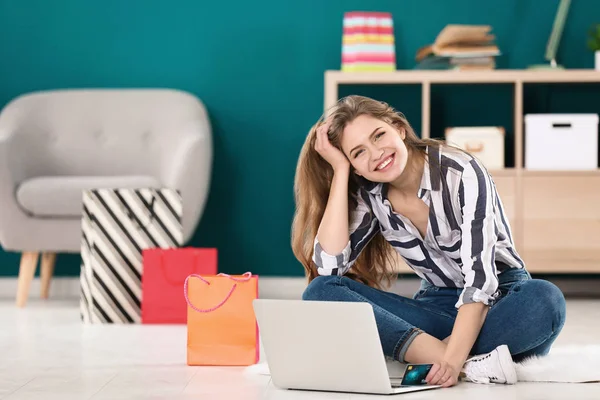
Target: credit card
{"points": [[415, 374]]}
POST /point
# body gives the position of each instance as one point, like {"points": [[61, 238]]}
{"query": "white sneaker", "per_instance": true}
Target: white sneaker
{"points": [[494, 367]]}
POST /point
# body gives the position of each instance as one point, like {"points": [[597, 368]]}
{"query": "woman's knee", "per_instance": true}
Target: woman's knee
{"points": [[547, 300], [320, 288]]}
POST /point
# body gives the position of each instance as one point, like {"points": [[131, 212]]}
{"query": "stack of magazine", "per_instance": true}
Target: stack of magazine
{"points": [[462, 47]]}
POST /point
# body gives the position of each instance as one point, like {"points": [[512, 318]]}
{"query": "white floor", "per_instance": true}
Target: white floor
{"points": [[46, 353]]}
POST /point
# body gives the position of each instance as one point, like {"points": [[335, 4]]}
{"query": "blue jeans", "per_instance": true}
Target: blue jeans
{"points": [[527, 317]]}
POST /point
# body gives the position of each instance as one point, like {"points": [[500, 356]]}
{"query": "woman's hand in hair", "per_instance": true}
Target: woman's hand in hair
{"points": [[335, 157]]}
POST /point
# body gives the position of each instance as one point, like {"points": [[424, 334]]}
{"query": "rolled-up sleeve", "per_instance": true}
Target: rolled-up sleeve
{"points": [[363, 226], [477, 196]]}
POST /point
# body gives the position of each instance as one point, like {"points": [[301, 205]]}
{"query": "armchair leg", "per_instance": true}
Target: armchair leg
{"points": [[46, 271], [29, 261]]}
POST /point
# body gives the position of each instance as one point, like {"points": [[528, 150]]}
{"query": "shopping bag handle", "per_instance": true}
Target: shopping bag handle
{"points": [[246, 277]]}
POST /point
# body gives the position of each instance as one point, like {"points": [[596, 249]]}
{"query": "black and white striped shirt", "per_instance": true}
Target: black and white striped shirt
{"points": [[468, 241]]}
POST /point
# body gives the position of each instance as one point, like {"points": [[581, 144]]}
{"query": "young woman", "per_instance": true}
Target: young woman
{"points": [[367, 187]]}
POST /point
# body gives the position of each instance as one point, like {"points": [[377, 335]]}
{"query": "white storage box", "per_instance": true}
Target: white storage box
{"points": [[486, 143], [561, 141]]}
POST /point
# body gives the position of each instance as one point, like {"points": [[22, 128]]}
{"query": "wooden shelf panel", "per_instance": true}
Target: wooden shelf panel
{"points": [[559, 199], [505, 172], [561, 222], [562, 234], [560, 173], [452, 76], [551, 173], [562, 261], [554, 215], [548, 261]]}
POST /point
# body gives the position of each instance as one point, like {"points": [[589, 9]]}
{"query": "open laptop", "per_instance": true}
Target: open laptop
{"points": [[328, 346]]}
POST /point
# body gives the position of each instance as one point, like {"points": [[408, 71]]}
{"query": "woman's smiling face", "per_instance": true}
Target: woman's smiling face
{"points": [[375, 149]]}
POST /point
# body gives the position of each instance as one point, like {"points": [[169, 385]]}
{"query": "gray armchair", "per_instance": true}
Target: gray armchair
{"points": [[54, 144]]}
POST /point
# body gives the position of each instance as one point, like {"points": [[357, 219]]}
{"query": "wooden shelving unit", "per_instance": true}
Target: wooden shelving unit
{"points": [[554, 215]]}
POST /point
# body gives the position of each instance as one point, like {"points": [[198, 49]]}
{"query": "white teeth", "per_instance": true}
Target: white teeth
{"points": [[385, 163]]}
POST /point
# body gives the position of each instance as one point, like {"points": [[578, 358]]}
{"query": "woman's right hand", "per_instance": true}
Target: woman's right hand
{"points": [[329, 152]]}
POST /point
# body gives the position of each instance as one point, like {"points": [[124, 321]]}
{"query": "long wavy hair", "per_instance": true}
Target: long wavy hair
{"points": [[375, 265]]}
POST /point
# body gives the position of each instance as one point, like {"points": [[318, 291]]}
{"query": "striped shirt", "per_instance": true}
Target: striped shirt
{"points": [[468, 240]]}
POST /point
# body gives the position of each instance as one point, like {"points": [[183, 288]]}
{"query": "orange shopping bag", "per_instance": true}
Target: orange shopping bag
{"points": [[221, 325]]}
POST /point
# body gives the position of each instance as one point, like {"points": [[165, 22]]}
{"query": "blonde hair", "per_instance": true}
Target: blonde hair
{"points": [[314, 175]]}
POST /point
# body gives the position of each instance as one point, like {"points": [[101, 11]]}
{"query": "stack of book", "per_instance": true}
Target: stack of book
{"points": [[368, 42], [473, 63], [462, 47]]}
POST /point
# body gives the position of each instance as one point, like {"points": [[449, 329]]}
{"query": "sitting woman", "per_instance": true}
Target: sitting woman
{"points": [[366, 186]]}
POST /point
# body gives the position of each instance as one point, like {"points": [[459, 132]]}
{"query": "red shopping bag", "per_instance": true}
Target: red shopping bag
{"points": [[222, 328], [165, 272]]}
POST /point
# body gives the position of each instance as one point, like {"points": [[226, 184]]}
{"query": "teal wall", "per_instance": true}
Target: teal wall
{"points": [[258, 66]]}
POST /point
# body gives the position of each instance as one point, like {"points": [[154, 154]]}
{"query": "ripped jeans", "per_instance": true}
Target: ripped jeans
{"points": [[527, 317]]}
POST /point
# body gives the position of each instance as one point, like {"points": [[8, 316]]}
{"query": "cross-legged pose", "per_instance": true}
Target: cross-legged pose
{"points": [[368, 190]]}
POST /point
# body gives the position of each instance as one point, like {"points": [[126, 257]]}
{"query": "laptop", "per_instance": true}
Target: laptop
{"points": [[325, 346]]}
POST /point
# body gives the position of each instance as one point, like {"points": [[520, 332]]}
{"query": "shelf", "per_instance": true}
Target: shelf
{"points": [[554, 215], [453, 76], [553, 173], [559, 173], [503, 172], [562, 260]]}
